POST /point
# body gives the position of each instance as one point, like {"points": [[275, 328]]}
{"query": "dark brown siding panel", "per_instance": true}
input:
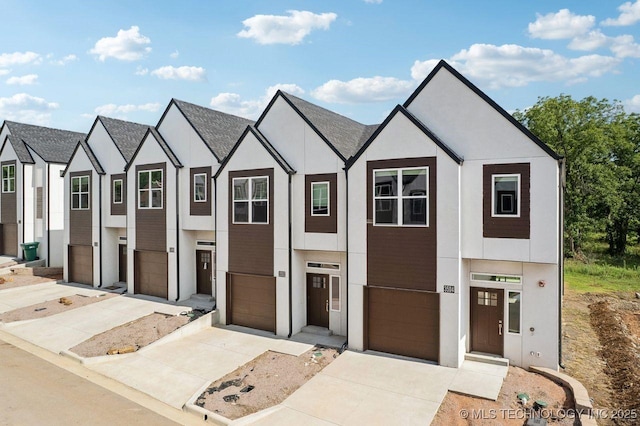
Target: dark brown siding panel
{"points": [[323, 224], [400, 256], [151, 224], [507, 227], [8, 206], [251, 245], [200, 208], [10, 239], [80, 220], [253, 301], [120, 208], [404, 322], [39, 204]]}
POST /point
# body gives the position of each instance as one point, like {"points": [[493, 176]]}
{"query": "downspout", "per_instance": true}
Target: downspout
{"points": [[177, 234], [561, 257], [290, 266], [100, 225], [48, 215], [215, 239], [346, 306]]}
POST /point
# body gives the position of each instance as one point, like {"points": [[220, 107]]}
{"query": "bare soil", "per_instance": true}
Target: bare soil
{"points": [[508, 410], [263, 382], [601, 348], [131, 336], [12, 281], [51, 307]]}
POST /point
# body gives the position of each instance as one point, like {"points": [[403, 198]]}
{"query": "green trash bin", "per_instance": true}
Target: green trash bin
{"points": [[30, 251]]}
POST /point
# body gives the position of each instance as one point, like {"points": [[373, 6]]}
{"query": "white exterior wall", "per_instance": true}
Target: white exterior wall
{"points": [[414, 144], [80, 163], [151, 152], [252, 155], [308, 154], [53, 200]]}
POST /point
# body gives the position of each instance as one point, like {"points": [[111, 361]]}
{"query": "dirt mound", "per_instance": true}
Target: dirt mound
{"points": [[620, 352]]}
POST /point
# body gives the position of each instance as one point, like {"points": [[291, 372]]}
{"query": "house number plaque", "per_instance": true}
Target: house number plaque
{"points": [[449, 289]]}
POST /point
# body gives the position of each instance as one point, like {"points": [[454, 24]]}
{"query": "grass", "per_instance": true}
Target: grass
{"points": [[600, 278]]}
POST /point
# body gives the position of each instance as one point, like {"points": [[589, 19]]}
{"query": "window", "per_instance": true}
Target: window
{"points": [[9, 178], [487, 298], [323, 265], [507, 279], [200, 187], [320, 199], [514, 312], [406, 206], [150, 189], [506, 195], [117, 191], [80, 193], [251, 200], [335, 293]]}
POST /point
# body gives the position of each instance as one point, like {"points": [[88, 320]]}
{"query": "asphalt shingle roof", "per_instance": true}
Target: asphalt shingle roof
{"points": [[345, 134], [52, 145], [125, 134], [219, 131]]}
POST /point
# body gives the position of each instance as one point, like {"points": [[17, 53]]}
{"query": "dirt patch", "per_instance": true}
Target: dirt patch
{"points": [[620, 353], [263, 382], [131, 336], [12, 281], [463, 410], [52, 307]]}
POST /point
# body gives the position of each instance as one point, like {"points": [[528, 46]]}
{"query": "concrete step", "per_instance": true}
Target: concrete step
{"points": [[200, 301], [486, 358], [203, 297], [314, 329], [118, 287]]}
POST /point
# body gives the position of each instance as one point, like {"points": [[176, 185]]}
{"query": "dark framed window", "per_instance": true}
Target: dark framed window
{"points": [[80, 193], [9, 178], [251, 200]]}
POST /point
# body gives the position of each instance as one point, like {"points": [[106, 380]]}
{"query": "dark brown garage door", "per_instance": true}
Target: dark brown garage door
{"points": [[251, 301], [151, 276], [81, 264], [10, 239], [402, 322]]}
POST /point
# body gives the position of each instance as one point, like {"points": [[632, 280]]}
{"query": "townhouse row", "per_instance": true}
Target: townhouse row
{"points": [[432, 235]]}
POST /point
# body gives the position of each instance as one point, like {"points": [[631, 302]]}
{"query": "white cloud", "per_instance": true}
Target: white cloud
{"points": [[590, 41], [26, 108], [65, 60], [292, 29], [563, 24], [629, 15], [511, 65], [180, 73], [120, 111], [19, 58], [232, 103], [128, 45], [624, 46], [633, 104], [24, 80], [174, 55], [141, 71], [363, 90], [373, 1], [4, 72]]}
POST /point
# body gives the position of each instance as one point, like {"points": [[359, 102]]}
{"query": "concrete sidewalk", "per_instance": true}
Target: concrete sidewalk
{"points": [[356, 388]]}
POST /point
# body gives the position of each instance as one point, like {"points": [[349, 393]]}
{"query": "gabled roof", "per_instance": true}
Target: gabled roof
{"points": [[343, 135], [126, 135], [92, 157], [163, 144], [399, 109], [487, 99], [23, 154], [52, 145], [218, 130], [267, 146]]}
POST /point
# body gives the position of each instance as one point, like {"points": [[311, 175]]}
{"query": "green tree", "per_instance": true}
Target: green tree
{"points": [[586, 133]]}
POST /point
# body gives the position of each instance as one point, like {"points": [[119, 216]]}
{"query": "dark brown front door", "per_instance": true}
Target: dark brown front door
{"points": [[122, 263], [487, 320], [203, 271], [318, 300]]}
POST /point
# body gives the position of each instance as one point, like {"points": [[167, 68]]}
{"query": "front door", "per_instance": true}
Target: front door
{"points": [[318, 300], [487, 320], [122, 263], [203, 271]]}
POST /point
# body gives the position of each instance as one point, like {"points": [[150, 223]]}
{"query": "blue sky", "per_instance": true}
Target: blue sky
{"points": [[63, 62]]}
